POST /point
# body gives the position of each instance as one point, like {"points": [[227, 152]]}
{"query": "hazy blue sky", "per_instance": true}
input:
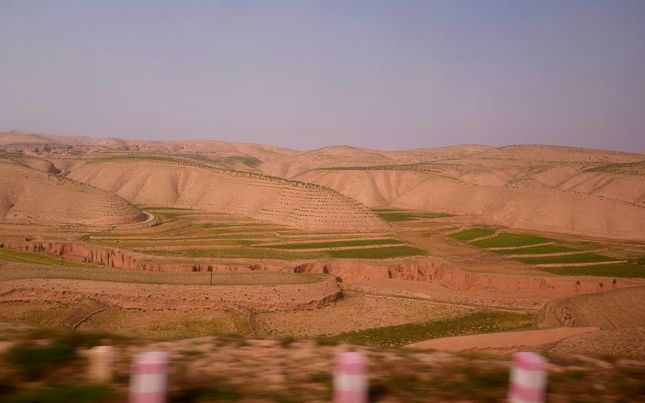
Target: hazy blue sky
{"points": [[303, 74]]}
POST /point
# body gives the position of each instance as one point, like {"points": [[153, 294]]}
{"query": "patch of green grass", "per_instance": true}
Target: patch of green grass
{"points": [[400, 335], [35, 361], [164, 242], [628, 270], [577, 258], [336, 244], [394, 216], [377, 253], [472, 233], [251, 162], [507, 239], [250, 253], [66, 393], [535, 250], [137, 276], [456, 383], [270, 253], [37, 258]]}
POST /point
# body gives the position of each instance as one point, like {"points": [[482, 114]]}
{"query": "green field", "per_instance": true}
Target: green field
{"points": [[244, 252], [194, 234], [404, 215], [535, 250], [472, 233], [400, 335], [240, 159], [337, 244], [507, 239], [99, 273], [37, 258], [577, 258], [377, 253], [628, 270]]}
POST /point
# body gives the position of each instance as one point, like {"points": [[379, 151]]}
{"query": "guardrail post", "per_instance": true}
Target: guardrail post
{"points": [[148, 377], [528, 378], [350, 378]]}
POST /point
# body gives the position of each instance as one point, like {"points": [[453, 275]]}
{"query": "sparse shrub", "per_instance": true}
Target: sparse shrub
{"points": [[33, 361], [205, 391], [67, 393], [326, 341], [286, 341]]}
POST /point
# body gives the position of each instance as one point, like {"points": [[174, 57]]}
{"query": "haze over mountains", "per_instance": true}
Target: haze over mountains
{"points": [[556, 189]]}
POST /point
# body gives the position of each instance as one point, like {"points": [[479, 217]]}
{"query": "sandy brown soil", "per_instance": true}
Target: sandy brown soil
{"points": [[164, 296], [617, 309], [354, 312], [63, 196], [627, 342], [504, 342], [194, 185], [34, 196]]}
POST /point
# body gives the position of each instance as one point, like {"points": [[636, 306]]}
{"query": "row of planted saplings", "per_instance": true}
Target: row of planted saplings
{"points": [[149, 373]]}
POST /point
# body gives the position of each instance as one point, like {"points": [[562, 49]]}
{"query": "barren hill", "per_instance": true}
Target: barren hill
{"points": [[546, 188], [33, 195], [586, 192], [167, 182]]}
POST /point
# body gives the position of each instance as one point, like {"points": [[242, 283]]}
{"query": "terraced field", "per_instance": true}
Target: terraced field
{"points": [[394, 215], [193, 233], [473, 233], [55, 271], [560, 257], [473, 323], [509, 240], [37, 258]]}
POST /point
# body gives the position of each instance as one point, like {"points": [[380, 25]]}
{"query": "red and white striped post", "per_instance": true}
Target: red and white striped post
{"points": [[350, 378], [149, 377], [528, 378]]}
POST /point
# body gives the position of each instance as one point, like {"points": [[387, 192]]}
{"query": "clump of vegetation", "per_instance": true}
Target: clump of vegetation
{"points": [[218, 390], [462, 382], [400, 335], [65, 393], [286, 341], [35, 361]]}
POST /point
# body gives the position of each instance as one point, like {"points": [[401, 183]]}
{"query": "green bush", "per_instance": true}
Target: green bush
{"points": [[35, 361], [67, 394]]}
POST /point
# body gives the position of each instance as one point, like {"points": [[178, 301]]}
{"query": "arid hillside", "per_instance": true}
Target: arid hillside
{"points": [[157, 181], [545, 188], [32, 195], [577, 191]]}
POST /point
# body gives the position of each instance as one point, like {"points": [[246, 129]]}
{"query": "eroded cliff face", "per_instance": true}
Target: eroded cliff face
{"points": [[438, 271], [428, 269]]}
